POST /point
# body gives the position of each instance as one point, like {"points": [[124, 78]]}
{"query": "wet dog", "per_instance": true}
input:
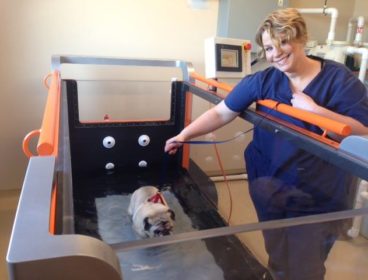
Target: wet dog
{"points": [[150, 213]]}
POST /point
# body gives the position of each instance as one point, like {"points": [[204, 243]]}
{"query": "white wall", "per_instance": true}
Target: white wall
{"points": [[33, 30]]}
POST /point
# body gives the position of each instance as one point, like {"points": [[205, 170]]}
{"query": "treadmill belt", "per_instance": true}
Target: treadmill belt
{"points": [[164, 262], [101, 202]]}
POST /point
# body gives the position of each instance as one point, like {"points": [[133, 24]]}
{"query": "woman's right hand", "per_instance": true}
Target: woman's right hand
{"points": [[209, 121], [173, 144]]}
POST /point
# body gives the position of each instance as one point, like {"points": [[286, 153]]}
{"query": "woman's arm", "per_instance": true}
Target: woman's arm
{"points": [[305, 102], [209, 121]]}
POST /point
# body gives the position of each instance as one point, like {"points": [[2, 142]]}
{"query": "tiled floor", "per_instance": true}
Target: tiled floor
{"points": [[348, 259]]}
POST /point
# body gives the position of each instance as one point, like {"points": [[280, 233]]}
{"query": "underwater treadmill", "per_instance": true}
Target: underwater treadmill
{"points": [[72, 210], [71, 221]]}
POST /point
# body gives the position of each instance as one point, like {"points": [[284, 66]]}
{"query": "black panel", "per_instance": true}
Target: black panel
{"points": [[89, 155]]}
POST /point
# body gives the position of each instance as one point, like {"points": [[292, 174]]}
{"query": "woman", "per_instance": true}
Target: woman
{"points": [[285, 181]]}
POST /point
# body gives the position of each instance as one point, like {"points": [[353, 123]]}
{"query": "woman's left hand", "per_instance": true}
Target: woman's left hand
{"points": [[302, 101]]}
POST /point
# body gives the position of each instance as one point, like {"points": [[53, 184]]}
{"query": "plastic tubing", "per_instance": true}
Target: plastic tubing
{"points": [[333, 12], [351, 23], [359, 31], [325, 123]]}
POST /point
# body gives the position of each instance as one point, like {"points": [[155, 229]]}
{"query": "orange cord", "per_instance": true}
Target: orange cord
{"points": [[222, 169], [226, 182], [225, 178]]}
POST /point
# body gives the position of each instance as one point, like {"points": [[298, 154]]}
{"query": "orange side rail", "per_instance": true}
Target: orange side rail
{"points": [[187, 121], [323, 122], [49, 131], [52, 219], [214, 83]]}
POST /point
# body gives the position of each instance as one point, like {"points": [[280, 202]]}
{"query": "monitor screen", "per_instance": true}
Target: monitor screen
{"points": [[228, 58]]}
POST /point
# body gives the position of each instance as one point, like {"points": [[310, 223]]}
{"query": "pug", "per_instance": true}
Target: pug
{"points": [[151, 216]]}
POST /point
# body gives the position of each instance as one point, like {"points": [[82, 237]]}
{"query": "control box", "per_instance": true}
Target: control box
{"points": [[227, 58]]}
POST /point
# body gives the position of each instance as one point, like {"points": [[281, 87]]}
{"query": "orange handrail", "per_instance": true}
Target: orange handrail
{"points": [[49, 131], [209, 82], [323, 122]]}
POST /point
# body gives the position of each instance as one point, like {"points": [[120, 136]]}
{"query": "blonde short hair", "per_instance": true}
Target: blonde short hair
{"points": [[287, 22]]}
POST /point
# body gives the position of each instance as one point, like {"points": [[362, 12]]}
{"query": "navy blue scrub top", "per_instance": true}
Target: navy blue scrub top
{"points": [[272, 156]]}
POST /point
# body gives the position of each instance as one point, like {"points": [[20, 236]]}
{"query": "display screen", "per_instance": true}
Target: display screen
{"points": [[228, 58]]}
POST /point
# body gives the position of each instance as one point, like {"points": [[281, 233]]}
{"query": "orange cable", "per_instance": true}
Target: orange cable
{"points": [[222, 169], [226, 182]]}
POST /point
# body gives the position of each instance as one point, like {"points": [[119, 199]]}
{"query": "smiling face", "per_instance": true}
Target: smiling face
{"points": [[284, 55], [282, 37]]}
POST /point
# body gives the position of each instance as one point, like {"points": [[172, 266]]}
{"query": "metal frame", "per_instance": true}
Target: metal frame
{"points": [[58, 60], [34, 253], [341, 158]]}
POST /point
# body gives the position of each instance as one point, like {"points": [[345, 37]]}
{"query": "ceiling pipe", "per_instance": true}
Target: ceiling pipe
{"points": [[351, 24], [358, 41], [333, 12]]}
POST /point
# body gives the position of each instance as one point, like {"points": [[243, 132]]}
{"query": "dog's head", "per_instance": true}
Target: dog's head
{"points": [[159, 223]]}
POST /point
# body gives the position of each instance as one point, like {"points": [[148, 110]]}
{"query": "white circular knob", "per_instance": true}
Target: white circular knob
{"points": [[109, 166], [108, 142], [142, 163], [144, 140]]}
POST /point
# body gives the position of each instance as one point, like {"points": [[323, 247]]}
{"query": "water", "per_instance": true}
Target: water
{"points": [[185, 260]]}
